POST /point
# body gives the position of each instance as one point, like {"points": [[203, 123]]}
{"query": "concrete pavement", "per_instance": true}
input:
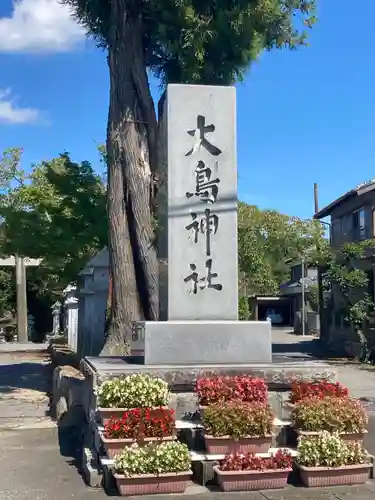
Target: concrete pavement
{"points": [[33, 468], [37, 463]]}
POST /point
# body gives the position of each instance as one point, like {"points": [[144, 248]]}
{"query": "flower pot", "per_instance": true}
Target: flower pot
{"points": [[148, 484], [226, 444], [341, 476], [247, 480], [106, 414], [346, 436], [115, 446]]}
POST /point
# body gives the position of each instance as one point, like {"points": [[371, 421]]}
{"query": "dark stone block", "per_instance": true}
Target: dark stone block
{"points": [[203, 472], [193, 438]]}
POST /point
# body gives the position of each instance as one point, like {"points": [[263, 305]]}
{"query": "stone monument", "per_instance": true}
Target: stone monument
{"points": [[92, 293], [30, 327], [71, 316], [197, 240], [56, 311], [198, 334]]}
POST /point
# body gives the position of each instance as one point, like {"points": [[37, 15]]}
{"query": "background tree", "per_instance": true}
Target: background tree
{"points": [[348, 283], [183, 41], [57, 212], [267, 242]]}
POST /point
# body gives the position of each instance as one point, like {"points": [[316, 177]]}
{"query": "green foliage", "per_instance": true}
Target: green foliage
{"points": [[313, 297], [205, 41], [243, 308], [56, 212], [348, 281], [7, 292], [268, 241]]}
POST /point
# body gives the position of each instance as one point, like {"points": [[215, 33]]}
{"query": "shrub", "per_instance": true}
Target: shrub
{"points": [[330, 414], [142, 422], [328, 450], [170, 456], [244, 388], [135, 391], [282, 459], [238, 419], [322, 389]]}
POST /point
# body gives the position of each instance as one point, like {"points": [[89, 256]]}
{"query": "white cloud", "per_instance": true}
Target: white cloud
{"points": [[13, 114], [39, 26]]}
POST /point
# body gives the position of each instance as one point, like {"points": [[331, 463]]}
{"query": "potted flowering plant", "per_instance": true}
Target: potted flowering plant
{"points": [[245, 472], [219, 389], [342, 415], [141, 425], [238, 427], [116, 395], [163, 468], [327, 460], [318, 389]]}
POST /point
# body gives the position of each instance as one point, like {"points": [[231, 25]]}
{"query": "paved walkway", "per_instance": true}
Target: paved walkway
{"points": [[36, 463]]}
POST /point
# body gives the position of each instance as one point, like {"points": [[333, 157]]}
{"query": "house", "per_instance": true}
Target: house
{"points": [[274, 307], [352, 219], [285, 309], [292, 289]]}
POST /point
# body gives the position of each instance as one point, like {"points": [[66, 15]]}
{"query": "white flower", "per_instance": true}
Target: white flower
{"points": [[134, 391]]}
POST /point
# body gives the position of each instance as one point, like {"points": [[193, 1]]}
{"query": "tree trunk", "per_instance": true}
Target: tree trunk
{"points": [[131, 148]]}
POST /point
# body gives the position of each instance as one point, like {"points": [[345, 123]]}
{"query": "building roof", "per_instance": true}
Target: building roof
{"points": [[363, 188]]}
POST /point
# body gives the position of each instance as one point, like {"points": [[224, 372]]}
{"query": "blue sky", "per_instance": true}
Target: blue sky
{"points": [[303, 117]]}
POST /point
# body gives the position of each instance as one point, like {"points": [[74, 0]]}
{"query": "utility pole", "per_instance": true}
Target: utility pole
{"points": [[316, 204], [303, 294], [320, 281], [20, 264], [21, 299]]}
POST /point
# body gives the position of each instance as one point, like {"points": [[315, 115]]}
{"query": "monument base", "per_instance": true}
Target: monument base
{"points": [[203, 342]]}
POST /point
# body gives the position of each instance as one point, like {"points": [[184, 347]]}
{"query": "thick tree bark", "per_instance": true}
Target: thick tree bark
{"points": [[131, 150]]}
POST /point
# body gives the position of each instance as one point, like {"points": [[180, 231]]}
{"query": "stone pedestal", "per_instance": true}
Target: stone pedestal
{"points": [[205, 342]]}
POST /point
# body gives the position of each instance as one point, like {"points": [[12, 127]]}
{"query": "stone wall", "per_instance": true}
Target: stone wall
{"points": [[345, 341]]}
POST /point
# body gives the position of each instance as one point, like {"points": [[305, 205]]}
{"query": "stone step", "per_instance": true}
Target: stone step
{"points": [[190, 433], [199, 456], [188, 424]]}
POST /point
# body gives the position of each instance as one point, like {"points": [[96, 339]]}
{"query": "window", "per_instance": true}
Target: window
{"points": [[347, 227], [297, 272], [359, 225]]}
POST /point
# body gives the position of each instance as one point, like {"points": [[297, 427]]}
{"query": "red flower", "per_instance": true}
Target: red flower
{"points": [[249, 461], [318, 389], [137, 424], [218, 389]]}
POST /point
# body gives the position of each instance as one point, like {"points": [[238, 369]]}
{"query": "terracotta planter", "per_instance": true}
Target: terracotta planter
{"points": [[107, 413], [252, 479], [226, 444], [347, 437], [115, 446], [341, 476], [148, 484]]}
